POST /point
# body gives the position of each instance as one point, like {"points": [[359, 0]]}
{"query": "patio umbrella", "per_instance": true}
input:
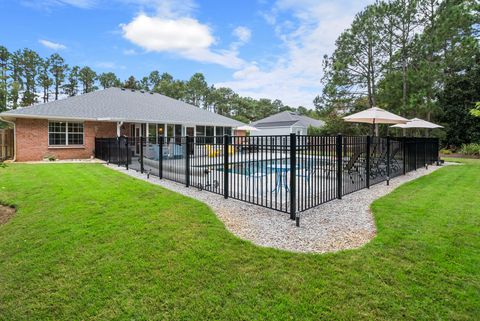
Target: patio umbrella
{"points": [[247, 127], [375, 116], [417, 123]]}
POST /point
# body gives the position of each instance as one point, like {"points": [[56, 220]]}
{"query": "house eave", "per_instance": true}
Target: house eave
{"points": [[13, 117]]}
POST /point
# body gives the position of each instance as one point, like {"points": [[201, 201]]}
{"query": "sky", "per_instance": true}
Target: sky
{"points": [[259, 48]]}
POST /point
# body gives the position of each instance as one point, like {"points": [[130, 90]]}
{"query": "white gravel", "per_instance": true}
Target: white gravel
{"points": [[333, 226]]}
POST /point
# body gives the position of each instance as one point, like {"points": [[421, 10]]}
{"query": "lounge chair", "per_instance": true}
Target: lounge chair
{"points": [[353, 166], [212, 151]]}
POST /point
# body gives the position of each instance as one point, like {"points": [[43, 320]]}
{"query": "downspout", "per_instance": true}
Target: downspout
{"points": [[14, 137], [119, 125]]}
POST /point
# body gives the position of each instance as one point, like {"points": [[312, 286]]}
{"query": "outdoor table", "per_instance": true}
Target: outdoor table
{"points": [[280, 175]]}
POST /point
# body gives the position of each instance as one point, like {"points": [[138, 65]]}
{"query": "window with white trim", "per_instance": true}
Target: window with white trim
{"points": [[65, 133]]}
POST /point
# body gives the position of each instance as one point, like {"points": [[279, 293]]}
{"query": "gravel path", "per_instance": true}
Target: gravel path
{"points": [[333, 226]]}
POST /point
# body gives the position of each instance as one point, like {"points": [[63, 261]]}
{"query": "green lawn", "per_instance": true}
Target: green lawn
{"points": [[90, 243]]}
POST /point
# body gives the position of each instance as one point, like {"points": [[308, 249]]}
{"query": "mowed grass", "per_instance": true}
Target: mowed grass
{"points": [[90, 243]]}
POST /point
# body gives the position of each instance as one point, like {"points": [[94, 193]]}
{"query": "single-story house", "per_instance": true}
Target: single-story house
{"points": [[285, 123], [66, 129]]}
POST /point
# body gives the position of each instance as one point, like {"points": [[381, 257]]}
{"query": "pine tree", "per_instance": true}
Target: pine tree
{"points": [[109, 79], [4, 59], [87, 77], [44, 78], [131, 83], [30, 64], [71, 87], [196, 90], [58, 69]]}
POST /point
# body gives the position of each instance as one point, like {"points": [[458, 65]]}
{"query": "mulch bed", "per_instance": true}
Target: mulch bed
{"points": [[6, 212]]}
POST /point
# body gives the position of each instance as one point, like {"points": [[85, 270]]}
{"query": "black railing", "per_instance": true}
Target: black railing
{"points": [[289, 174]]}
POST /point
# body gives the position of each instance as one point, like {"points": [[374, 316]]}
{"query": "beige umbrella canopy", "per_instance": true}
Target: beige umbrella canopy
{"points": [[417, 123], [375, 116], [247, 127]]}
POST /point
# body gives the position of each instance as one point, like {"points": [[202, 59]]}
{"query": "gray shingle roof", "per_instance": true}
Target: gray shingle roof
{"points": [[115, 104], [288, 118]]}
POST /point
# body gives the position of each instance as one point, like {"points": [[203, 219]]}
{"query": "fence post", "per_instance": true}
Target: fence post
{"points": [[187, 161], [388, 160], [293, 176], [425, 153], [404, 143], [368, 161], [339, 165], [226, 145], [160, 157], [108, 150], [141, 154], [118, 151], [128, 152], [416, 148]]}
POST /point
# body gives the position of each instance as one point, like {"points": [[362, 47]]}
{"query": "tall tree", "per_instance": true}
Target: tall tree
{"points": [[355, 66], [109, 79], [219, 100], [87, 78], [406, 24], [16, 75], [44, 79], [167, 86], [71, 87], [196, 90], [58, 69], [131, 83], [144, 84], [154, 79], [30, 64], [4, 59]]}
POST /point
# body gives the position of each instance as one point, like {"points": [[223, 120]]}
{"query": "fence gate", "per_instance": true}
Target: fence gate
{"points": [[6, 144]]}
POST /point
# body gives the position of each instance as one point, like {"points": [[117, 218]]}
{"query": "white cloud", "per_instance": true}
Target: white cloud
{"points": [[158, 34], [294, 76], [242, 33], [182, 35], [51, 44]]}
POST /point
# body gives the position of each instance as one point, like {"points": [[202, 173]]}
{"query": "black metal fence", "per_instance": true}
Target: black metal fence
{"points": [[289, 174]]}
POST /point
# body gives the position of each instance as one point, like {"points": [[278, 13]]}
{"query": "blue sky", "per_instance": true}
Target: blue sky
{"points": [[259, 48]]}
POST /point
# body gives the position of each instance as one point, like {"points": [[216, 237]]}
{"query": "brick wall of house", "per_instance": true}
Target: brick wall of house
{"points": [[32, 140]]}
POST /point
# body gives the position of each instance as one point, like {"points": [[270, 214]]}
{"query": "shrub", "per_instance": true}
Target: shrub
{"points": [[470, 149], [445, 151]]}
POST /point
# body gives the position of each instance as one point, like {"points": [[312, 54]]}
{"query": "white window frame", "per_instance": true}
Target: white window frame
{"points": [[67, 123]]}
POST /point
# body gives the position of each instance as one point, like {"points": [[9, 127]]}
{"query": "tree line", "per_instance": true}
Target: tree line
{"points": [[417, 58], [26, 78]]}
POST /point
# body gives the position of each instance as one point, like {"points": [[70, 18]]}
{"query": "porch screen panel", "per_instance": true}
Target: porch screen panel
{"points": [[152, 133], [209, 133]]}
